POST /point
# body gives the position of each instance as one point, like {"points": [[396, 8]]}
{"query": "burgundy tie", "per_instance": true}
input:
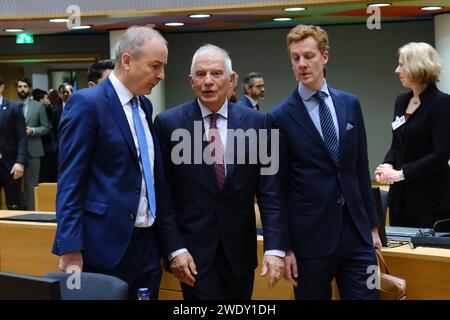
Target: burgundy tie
{"points": [[215, 142]]}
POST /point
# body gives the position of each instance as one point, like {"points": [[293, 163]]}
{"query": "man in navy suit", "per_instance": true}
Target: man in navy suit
{"points": [[253, 90], [210, 237], [331, 216], [111, 179], [13, 149]]}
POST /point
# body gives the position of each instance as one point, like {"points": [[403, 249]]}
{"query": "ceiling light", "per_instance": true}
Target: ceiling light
{"points": [[281, 19], [200, 16], [58, 20], [379, 4], [13, 30], [81, 27], [294, 9], [174, 24], [431, 8]]}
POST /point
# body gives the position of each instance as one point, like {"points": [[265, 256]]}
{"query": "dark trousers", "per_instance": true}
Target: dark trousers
{"points": [[348, 264], [140, 266], [220, 283], [12, 188]]}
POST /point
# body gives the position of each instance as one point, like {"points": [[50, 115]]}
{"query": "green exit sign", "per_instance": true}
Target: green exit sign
{"points": [[24, 38]]}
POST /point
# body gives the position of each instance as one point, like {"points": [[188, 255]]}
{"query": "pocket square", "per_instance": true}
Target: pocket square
{"points": [[349, 127]]}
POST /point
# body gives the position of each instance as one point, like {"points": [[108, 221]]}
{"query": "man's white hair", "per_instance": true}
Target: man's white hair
{"points": [[206, 49]]}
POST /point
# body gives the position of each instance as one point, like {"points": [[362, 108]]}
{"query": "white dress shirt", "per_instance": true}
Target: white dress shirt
{"points": [[252, 101], [143, 218]]}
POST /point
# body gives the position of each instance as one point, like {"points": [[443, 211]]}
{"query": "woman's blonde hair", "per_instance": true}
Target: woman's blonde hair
{"points": [[421, 62]]}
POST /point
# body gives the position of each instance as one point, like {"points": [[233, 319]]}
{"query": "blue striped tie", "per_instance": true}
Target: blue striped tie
{"points": [[328, 129], [145, 158]]}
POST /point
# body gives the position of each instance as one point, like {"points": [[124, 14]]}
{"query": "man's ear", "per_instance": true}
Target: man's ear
{"points": [[191, 81], [125, 61]]}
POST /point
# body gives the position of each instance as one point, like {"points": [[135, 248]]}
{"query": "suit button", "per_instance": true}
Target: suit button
{"points": [[339, 175], [138, 190], [131, 217]]}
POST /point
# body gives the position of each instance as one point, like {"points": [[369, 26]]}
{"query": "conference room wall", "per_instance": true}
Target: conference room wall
{"points": [[361, 61]]}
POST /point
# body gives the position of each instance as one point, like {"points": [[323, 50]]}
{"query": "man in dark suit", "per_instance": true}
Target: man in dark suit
{"points": [[36, 126], [331, 216], [110, 183], [210, 237], [253, 90], [13, 149]]}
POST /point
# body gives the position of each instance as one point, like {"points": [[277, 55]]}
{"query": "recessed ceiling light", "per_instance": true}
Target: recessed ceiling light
{"points": [[431, 8], [174, 24], [13, 30], [81, 27], [281, 19], [58, 20], [379, 4], [294, 9], [200, 15]]}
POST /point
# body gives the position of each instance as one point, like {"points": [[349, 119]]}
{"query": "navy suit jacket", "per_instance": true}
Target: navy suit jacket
{"points": [[314, 182], [99, 182], [244, 101], [205, 216], [13, 137]]}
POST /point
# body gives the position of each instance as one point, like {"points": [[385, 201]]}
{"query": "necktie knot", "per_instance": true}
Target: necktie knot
{"points": [[320, 95], [213, 117], [134, 103]]}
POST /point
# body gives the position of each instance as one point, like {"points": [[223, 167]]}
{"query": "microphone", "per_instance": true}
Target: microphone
{"points": [[440, 222]]}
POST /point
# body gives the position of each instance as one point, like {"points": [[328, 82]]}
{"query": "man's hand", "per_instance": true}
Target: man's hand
{"points": [[17, 171], [275, 266], [29, 131], [71, 259], [183, 267], [376, 239], [290, 267]]}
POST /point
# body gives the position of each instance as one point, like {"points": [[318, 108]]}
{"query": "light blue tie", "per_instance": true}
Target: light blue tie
{"points": [[145, 159], [328, 129]]}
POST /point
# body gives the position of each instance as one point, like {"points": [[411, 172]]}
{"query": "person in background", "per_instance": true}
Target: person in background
{"points": [[36, 126], [232, 92], [13, 149], [416, 164], [99, 71], [253, 90], [323, 158], [48, 170], [67, 91]]}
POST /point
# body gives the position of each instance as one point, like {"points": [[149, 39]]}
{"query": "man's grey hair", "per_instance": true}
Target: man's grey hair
{"points": [[133, 39], [207, 48], [248, 80]]}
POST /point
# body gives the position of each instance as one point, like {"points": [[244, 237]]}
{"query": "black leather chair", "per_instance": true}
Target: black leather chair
{"points": [[92, 286]]}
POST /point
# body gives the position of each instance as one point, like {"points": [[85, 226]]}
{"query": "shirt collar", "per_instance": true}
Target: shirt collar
{"points": [[306, 93], [122, 91], [26, 101], [1, 100], [253, 102], [223, 111]]}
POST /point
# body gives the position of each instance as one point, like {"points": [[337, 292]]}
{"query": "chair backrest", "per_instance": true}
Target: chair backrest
{"points": [[15, 286], [45, 197], [381, 214], [92, 286]]}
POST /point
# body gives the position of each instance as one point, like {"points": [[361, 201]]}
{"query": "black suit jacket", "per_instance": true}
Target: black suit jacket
{"points": [[13, 138], [204, 216], [423, 152]]}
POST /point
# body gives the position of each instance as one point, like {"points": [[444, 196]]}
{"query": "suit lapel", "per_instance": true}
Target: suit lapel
{"points": [[299, 113], [3, 112], [193, 114], [115, 107], [341, 113], [233, 123]]}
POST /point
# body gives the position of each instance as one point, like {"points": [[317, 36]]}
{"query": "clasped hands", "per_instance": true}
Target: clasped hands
{"points": [[385, 174]]}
